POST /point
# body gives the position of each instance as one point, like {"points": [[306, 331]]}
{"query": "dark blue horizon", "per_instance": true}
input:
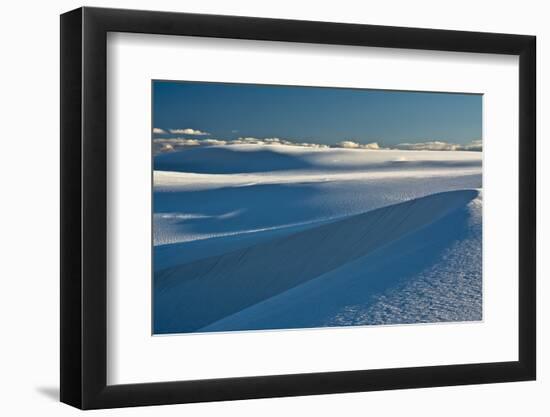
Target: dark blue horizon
{"points": [[317, 114]]}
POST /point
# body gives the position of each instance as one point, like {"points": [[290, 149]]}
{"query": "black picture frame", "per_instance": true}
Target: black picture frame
{"points": [[84, 207]]}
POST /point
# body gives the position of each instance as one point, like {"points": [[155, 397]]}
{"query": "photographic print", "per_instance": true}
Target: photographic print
{"points": [[294, 207]]}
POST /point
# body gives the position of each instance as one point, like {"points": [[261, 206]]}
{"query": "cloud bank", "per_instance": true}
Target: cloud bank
{"points": [[159, 131], [161, 145], [164, 144]]}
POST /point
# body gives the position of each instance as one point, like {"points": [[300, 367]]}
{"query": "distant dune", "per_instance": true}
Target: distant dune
{"points": [[236, 159]]}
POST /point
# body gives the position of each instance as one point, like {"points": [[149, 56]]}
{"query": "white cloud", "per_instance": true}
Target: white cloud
{"points": [[349, 144], [273, 141], [428, 146], [440, 146], [188, 131], [166, 147], [159, 131], [213, 142], [162, 145], [244, 141], [312, 145]]}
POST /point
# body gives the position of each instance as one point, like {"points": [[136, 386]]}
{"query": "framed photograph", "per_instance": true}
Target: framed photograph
{"points": [[259, 208]]}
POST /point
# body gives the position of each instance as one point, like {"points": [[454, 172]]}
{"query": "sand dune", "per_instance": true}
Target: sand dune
{"points": [[237, 159], [313, 277]]}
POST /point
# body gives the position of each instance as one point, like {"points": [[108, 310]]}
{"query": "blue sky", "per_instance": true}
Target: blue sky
{"points": [[319, 115]]}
